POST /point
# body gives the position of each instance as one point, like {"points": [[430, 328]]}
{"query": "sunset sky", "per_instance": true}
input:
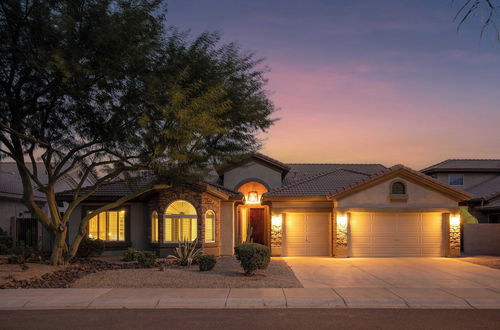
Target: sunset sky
{"points": [[386, 81]]}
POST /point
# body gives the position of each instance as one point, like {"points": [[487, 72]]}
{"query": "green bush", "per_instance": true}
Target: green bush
{"points": [[3, 249], [253, 256], [5, 241], [130, 255], [146, 259], [90, 248], [206, 262]]}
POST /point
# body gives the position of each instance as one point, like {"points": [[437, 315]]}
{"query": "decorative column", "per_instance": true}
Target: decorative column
{"points": [[454, 235], [340, 226], [276, 234]]}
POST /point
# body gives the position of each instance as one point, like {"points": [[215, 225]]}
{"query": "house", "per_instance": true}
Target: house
{"points": [[15, 218], [357, 210], [480, 178]]}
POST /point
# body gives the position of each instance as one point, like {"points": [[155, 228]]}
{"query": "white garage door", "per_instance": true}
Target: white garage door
{"points": [[306, 234], [396, 235]]}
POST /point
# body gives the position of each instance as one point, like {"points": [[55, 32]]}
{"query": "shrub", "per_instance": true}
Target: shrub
{"points": [[187, 252], [206, 262], [22, 250], [130, 255], [3, 249], [253, 256], [90, 248], [5, 241], [146, 259]]}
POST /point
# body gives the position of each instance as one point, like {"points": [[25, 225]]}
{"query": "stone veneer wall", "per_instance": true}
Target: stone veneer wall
{"points": [[202, 203]]}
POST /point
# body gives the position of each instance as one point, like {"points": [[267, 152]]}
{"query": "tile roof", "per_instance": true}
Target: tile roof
{"points": [[401, 168], [302, 171], [465, 164], [486, 189], [320, 184], [125, 187]]}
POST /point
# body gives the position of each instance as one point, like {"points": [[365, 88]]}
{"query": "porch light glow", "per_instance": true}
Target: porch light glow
{"points": [[454, 220], [253, 197], [276, 220], [342, 221]]}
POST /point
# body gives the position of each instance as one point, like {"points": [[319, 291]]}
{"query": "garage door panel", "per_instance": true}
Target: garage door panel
{"points": [[395, 234], [306, 234]]}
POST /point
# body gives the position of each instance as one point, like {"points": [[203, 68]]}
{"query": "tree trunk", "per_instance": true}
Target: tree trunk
{"points": [[59, 248]]}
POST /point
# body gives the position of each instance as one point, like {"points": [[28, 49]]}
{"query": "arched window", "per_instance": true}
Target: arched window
{"points": [[210, 226], [398, 188], [181, 222], [154, 227]]}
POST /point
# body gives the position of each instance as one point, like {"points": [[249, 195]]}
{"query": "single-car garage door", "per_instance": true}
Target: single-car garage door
{"points": [[306, 234], [396, 234]]}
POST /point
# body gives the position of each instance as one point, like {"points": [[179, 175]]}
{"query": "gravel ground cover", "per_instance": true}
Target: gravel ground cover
{"points": [[226, 274], [488, 261]]}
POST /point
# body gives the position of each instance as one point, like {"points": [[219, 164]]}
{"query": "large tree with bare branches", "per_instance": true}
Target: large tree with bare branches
{"points": [[103, 85], [485, 11]]}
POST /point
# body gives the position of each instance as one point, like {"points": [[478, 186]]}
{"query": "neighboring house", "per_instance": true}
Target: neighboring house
{"points": [[479, 177], [14, 215], [357, 210]]}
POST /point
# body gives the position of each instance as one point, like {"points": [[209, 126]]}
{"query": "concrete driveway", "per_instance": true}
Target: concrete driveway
{"points": [[389, 273]]}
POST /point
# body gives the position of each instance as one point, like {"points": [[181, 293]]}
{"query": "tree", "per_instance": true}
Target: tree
{"points": [[487, 10], [105, 86]]}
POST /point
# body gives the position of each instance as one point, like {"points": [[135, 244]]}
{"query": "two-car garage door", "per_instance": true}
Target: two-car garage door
{"points": [[395, 234], [306, 234]]}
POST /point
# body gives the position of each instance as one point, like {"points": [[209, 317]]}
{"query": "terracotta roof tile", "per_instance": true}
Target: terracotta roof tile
{"points": [[322, 184], [465, 164]]}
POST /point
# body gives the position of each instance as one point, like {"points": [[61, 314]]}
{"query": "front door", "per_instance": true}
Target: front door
{"points": [[257, 222]]}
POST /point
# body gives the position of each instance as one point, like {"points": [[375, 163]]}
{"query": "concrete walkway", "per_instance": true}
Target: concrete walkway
{"points": [[461, 298]]}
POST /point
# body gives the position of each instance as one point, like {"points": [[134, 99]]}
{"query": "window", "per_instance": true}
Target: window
{"points": [[456, 179], [398, 188], [108, 226], [181, 222], [154, 227], [210, 226]]}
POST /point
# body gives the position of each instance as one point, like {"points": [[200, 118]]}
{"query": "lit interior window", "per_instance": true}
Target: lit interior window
{"points": [[253, 197], [108, 226], [180, 222], [210, 226]]}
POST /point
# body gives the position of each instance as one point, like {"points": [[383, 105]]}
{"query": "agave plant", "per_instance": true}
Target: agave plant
{"points": [[186, 252]]}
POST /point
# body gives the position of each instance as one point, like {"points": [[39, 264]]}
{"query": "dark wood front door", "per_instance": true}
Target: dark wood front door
{"points": [[257, 222]]}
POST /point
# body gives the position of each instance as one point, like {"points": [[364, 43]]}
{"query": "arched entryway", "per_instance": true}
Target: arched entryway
{"points": [[252, 215]]}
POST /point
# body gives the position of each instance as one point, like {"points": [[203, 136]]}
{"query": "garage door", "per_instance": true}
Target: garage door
{"points": [[396, 235], [306, 234]]}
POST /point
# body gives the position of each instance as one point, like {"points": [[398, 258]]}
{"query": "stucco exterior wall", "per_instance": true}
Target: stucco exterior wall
{"points": [[251, 171], [482, 239], [227, 228], [10, 209], [378, 196], [470, 179], [305, 206]]}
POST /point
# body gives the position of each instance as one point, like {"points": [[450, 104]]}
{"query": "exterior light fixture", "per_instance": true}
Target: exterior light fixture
{"points": [[454, 220], [253, 197], [342, 221], [276, 220]]}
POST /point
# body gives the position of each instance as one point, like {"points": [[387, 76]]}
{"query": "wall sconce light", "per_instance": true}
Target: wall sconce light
{"points": [[342, 221], [454, 220], [253, 197], [276, 220]]}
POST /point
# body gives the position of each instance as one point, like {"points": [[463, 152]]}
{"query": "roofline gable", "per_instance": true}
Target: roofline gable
{"points": [[259, 158], [401, 170]]}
